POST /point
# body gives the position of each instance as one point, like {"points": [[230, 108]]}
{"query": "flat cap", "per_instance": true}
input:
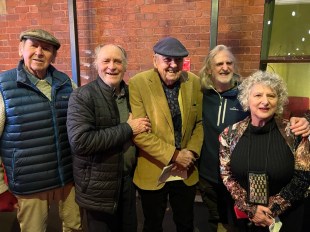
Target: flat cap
{"points": [[170, 46], [41, 35]]}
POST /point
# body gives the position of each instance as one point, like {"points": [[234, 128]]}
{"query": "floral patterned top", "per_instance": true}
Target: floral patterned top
{"points": [[293, 191]]}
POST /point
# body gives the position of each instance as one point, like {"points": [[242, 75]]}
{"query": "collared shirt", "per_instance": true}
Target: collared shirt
{"points": [[172, 95], [44, 85], [128, 148]]}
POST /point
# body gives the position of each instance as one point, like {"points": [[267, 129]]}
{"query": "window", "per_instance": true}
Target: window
{"points": [[286, 48]]}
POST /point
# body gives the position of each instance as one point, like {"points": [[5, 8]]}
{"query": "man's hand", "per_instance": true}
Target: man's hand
{"points": [[185, 159], [300, 126], [139, 125], [8, 202]]}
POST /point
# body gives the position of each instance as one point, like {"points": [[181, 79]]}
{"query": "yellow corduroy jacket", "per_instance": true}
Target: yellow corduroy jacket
{"points": [[156, 149]]}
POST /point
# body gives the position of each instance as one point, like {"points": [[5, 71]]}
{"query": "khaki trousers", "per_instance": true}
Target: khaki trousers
{"points": [[33, 210]]}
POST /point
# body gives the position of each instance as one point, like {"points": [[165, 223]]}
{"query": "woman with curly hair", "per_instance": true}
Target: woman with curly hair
{"points": [[263, 165]]}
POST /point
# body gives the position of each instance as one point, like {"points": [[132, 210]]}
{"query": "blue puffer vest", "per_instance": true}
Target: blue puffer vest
{"points": [[34, 144]]}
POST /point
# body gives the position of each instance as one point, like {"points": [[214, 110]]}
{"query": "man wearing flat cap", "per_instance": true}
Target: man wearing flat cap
{"points": [[171, 99], [34, 143]]}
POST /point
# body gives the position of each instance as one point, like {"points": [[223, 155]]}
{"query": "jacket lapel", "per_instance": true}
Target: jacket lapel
{"points": [[160, 98], [185, 99]]}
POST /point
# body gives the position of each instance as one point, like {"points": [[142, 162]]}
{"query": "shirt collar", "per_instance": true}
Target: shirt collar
{"points": [[121, 94], [34, 80]]}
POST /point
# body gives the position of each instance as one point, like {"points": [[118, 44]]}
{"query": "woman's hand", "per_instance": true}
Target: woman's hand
{"points": [[262, 216]]}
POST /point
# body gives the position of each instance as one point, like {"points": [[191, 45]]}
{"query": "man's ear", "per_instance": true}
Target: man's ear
{"points": [[155, 61], [54, 57], [20, 48]]}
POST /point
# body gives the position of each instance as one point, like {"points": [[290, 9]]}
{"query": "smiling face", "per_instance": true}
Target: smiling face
{"points": [[37, 56], [110, 65], [262, 104], [222, 70], [169, 68]]}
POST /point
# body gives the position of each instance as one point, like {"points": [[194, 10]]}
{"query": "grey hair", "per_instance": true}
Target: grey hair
{"points": [[123, 51], [269, 79], [204, 73]]}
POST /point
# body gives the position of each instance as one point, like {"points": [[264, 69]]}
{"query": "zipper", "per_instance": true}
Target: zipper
{"points": [[54, 90], [224, 110], [219, 111]]}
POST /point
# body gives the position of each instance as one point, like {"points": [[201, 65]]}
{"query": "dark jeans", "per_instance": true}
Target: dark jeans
{"points": [[181, 199], [219, 204], [125, 220]]}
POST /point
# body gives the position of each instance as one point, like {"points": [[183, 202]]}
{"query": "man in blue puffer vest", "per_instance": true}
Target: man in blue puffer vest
{"points": [[34, 143]]}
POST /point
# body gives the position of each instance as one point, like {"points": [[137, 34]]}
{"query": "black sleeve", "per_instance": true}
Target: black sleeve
{"points": [[84, 136]]}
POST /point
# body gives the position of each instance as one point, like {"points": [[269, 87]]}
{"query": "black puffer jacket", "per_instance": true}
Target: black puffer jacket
{"points": [[96, 137]]}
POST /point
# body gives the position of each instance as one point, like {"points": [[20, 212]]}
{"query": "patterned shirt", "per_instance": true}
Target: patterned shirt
{"points": [[172, 94]]}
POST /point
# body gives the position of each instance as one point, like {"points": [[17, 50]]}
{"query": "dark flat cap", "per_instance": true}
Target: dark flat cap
{"points": [[41, 35], [170, 46]]}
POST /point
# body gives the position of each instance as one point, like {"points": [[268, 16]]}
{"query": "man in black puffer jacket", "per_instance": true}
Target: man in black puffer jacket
{"points": [[100, 127]]}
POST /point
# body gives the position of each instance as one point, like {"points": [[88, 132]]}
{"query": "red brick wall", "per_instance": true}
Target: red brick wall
{"points": [[136, 25], [50, 15], [240, 27]]}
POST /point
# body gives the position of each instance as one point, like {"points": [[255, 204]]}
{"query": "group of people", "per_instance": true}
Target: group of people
{"points": [[91, 148]]}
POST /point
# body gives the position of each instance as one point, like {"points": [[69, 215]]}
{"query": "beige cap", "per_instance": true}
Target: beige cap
{"points": [[41, 35]]}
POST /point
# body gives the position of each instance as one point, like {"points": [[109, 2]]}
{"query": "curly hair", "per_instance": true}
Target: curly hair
{"points": [[269, 79], [97, 51], [204, 73]]}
